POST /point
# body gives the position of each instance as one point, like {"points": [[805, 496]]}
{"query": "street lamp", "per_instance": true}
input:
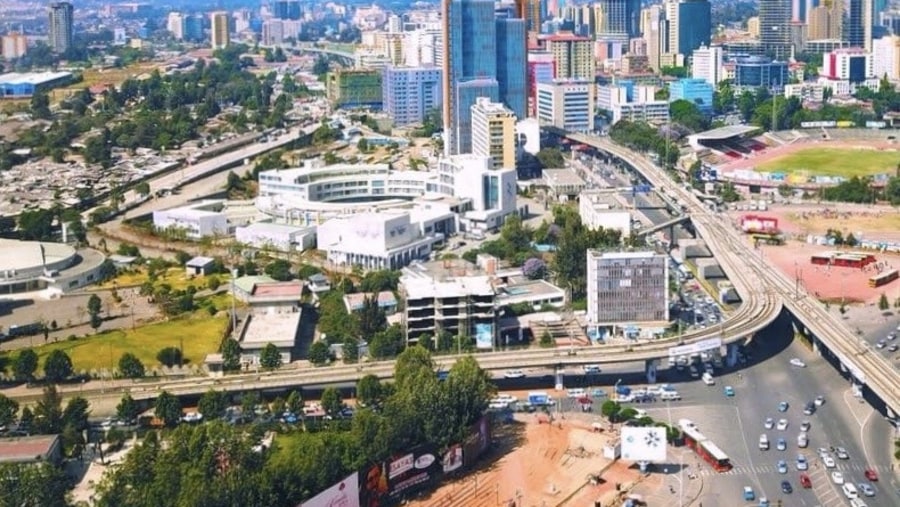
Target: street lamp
{"points": [[616, 389]]}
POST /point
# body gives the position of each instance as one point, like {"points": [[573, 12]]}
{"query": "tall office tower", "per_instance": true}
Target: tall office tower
{"points": [[825, 20], [775, 27], [193, 28], [60, 28], [621, 19], [799, 10], [574, 55], [421, 47], [175, 25], [535, 14], [470, 67], [886, 57], [857, 29], [494, 133], [14, 45], [627, 287], [240, 20], [653, 31], [272, 32], [219, 31], [408, 94], [671, 12], [706, 64], [395, 24], [694, 25], [512, 63], [286, 9]]}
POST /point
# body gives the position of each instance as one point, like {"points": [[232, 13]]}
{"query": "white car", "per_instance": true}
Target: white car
{"points": [[837, 477], [828, 461], [804, 426], [820, 400], [514, 374], [508, 398], [798, 363], [782, 424], [770, 423]]}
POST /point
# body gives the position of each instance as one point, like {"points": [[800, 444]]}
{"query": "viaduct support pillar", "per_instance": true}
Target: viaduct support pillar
{"points": [[731, 356], [650, 368]]}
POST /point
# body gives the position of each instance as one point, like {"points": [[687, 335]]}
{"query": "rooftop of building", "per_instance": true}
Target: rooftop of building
{"points": [[450, 277], [356, 301], [272, 228], [726, 132], [22, 255], [32, 78], [279, 329], [199, 262], [527, 289], [26, 449], [247, 283], [288, 289], [562, 177], [485, 104], [566, 37], [622, 255]]}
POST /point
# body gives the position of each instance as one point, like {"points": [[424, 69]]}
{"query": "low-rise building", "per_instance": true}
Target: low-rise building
{"points": [[633, 103], [563, 184], [190, 222], [281, 237], [696, 91], [199, 266], [387, 240], [264, 294], [23, 85], [31, 450], [355, 88], [261, 329], [385, 300], [602, 209]]}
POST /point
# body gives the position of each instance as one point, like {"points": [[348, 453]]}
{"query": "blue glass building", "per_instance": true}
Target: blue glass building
{"points": [[697, 91], [512, 64], [757, 71], [693, 25]]}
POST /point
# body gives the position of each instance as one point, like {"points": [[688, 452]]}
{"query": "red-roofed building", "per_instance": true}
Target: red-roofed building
{"points": [[28, 450]]}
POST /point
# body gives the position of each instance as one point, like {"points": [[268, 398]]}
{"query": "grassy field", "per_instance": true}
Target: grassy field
{"points": [[176, 278], [200, 335], [846, 162]]}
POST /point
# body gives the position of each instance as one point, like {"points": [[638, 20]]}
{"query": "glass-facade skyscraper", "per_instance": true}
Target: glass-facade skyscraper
{"points": [[471, 31], [693, 25], [60, 27]]}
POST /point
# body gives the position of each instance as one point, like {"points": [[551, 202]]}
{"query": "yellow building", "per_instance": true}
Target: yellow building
{"points": [[494, 133], [573, 54], [753, 26], [219, 29]]}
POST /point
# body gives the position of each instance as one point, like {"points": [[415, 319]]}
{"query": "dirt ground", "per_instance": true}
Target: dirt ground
{"points": [[539, 463], [833, 283]]}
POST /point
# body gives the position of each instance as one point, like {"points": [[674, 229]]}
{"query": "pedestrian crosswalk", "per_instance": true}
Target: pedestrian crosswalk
{"points": [[767, 469]]}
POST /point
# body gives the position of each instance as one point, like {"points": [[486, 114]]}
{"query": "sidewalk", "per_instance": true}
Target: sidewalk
{"points": [[663, 488]]}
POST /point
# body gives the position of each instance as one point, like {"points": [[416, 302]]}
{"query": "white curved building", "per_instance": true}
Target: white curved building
{"points": [[32, 265], [309, 195]]}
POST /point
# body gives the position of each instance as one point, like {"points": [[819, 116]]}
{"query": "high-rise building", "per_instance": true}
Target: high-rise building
{"points": [[541, 69], [193, 28], [574, 55], [706, 64], [14, 46], [886, 57], [567, 104], [470, 66], [825, 20], [694, 26], [850, 64], [775, 27], [286, 9], [621, 19], [219, 33], [60, 27], [857, 29], [654, 32], [512, 63], [535, 14], [422, 48], [494, 133], [175, 25], [272, 32], [355, 88], [627, 287], [410, 93]]}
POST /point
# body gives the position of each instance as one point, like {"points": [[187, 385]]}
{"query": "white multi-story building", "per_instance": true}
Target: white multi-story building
{"points": [[494, 132], [272, 32], [813, 92], [643, 107], [491, 193], [626, 288], [190, 222], [422, 48], [886, 57], [410, 93], [852, 64], [600, 209], [281, 237], [706, 64], [566, 104], [385, 240]]}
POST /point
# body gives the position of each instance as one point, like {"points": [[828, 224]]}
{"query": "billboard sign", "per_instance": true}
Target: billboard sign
{"points": [[484, 336], [477, 442], [695, 348], [646, 443], [386, 483], [453, 459], [342, 494]]}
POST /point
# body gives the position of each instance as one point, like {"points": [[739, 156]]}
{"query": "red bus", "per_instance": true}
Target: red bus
{"points": [[704, 447], [884, 278]]}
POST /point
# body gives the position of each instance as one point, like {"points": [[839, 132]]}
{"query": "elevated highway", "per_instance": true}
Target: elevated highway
{"points": [[738, 259]]}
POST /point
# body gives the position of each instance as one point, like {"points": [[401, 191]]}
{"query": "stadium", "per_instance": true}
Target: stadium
{"points": [[33, 266]]}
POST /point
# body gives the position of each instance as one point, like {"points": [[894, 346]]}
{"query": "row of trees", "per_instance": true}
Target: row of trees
{"points": [[216, 464]]}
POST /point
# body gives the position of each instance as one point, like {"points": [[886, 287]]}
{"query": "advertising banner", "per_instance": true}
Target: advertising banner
{"points": [[477, 442], [342, 494], [484, 336], [388, 482], [453, 459]]}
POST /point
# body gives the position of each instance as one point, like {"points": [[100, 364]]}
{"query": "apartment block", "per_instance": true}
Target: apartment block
{"points": [[494, 133], [627, 287]]}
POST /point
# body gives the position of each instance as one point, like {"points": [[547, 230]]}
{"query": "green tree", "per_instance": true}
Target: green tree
{"points": [[332, 402], [94, 305], [143, 188], [380, 280], [40, 106], [127, 410], [212, 404], [130, 366], [294, 402], [371, 318], [551, 158], [319, 353], [231, 355], [610, 410], [412, 363], [883, 303], [369, 391], [44, 484], [48, 414], [57, 366], [24, 365], [547, 340], [9, 410], [688, 114], [469, 389], [168, 409], [279, 269], [36, 225], [350, 350], [76, 413], [387, 343], [169, 356], [270, 357]]}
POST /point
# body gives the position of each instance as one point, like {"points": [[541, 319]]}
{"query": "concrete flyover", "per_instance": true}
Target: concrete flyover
{"points": [[344, 57], [738, 259]]}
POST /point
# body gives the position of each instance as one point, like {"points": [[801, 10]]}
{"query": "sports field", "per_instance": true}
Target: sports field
{"points": [[846, 162]]}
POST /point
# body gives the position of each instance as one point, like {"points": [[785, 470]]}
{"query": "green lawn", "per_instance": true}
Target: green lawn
{"points": [[846, 162], [200, 335], [177, 279]]}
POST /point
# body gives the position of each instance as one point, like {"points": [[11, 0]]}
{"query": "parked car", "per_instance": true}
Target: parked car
{"points": [[782, 424], [866, 489], [828, 461], [770, 423], [820, 400], [841, 453], [871, 474], [805, 481], [783, 406], [782, 467], [837, 477], [786, 487], [798, 363]]}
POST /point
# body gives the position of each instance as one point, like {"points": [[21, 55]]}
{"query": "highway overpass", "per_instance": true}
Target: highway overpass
{"points": [[738, 258], [348, 59]]}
